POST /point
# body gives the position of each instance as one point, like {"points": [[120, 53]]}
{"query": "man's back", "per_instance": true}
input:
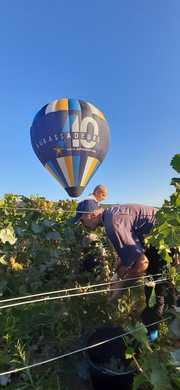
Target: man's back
{"points": [[126, 225], [138, 215]]}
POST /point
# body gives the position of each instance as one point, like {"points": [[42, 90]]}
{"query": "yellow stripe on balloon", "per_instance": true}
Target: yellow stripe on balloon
{"points": [[90, 166], [101, 115], [49, 169], [64, 170], [62, 105], [69, 166]]}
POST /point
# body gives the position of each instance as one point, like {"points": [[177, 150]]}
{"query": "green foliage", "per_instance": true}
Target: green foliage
{"points": [[166, 233], [175, 162], [41, 251], [7, 235], [153, 363]]}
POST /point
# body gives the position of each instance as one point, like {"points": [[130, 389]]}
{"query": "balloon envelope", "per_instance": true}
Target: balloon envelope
{"points": [[70, 137]]}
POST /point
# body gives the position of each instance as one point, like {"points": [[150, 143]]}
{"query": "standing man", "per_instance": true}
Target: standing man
{"points": [[99, 194], [126, 226]]}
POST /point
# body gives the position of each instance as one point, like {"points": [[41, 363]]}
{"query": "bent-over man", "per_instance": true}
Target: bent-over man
{"points": [[126, 225]]}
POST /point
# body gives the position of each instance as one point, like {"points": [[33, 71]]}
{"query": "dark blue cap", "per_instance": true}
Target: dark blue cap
{"points": [[84, 206]]}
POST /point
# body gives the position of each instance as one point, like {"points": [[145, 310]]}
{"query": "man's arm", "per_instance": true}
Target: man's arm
{"points": [[136, 270], [123, 273]]}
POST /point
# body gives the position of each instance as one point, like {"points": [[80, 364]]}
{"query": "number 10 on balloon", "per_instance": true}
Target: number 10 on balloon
{"points": [[81, 136]]}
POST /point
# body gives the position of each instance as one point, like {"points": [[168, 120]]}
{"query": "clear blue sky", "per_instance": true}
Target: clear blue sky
{"points": [[121, 55]]}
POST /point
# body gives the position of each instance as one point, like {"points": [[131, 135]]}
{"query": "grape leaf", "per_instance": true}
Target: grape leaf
{"points": [[53, 236], [138, 381], [36, 228], [140, 333], [2, 261], [7, 235]]}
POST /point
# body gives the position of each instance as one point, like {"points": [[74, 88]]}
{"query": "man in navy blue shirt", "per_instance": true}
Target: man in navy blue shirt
{"points": [[126, 225]]}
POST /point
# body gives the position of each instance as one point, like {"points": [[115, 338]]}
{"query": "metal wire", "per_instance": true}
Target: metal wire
{"points": [[69, 211], [75, 295], [76, 288]]}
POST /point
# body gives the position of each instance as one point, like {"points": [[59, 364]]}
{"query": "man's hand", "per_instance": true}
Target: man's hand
{"points": [[140, 266], [116, 285], [124, 273], [135, 270]]}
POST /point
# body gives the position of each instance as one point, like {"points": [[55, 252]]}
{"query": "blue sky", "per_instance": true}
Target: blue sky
{"points": [[121, 55]]}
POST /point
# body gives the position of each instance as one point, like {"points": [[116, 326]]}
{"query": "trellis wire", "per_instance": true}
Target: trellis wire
{"points": [[75, 295], [77, 288], [70, 211]]}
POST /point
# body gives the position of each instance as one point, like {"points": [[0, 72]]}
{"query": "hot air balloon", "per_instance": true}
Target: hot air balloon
{"points": [[70, 137]]}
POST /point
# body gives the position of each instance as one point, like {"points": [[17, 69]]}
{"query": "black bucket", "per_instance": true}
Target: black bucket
{"points": [[99, 357]]}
